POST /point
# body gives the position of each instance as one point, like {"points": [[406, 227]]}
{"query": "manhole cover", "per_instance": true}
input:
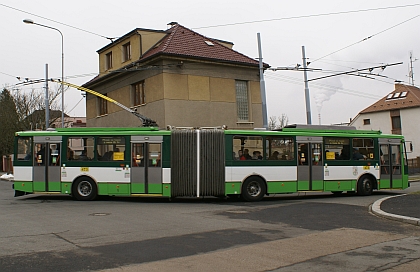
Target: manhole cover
{"points": [[99, 214]]}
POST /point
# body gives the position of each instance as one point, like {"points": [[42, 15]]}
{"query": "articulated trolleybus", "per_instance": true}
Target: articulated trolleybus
{"points": [[181, 162]]}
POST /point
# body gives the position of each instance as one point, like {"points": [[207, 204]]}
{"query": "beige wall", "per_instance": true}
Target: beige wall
{"points": [[91, 108], [175, 86], [200, 94], [149, 39], [222, 89], [254, 90], [140, 43], [121, 95], [123, 118], [154, 88], [198, 88]]}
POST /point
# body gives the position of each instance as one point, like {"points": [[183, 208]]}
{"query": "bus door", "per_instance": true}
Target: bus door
{"points": [[146, 164], [391, 171], [46, 164], [310, 169]]}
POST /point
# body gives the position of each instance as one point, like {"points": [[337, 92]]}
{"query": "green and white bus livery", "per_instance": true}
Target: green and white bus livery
{"points": [[190, 162]]}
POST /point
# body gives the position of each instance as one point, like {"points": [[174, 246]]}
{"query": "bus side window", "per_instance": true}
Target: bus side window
{"points": [[24, 149], [111, 148], [247, 148], [80, 149], [280, 148]]}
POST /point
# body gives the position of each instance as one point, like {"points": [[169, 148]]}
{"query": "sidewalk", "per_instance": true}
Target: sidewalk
{"points": [[403, 208]]}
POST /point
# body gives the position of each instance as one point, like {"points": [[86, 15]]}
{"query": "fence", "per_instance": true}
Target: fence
{"points": [[414, 165], [7, 164]]}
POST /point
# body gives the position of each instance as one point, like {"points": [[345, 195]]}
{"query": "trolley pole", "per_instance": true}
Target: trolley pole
{"points": [[262, 84], [307, 98], [47, 101]]}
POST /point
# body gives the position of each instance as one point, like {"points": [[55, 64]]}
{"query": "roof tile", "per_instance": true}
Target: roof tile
{"points": [[182, 41], [411, 100]]}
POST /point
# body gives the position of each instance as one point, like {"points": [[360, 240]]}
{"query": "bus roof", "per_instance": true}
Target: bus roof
{"points": [[95, 131], [297, 130]]}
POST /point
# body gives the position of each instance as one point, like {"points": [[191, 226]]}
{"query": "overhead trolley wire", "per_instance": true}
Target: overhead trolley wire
{"points": [[307, 16], [365, 39], [45, 18], [298, 81]]}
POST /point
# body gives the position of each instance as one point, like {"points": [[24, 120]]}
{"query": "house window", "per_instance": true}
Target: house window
{"points": [[103, 106], [108, 61], [126, 50], [139, 97], [366, 121], [242, 100], [396, 122]]}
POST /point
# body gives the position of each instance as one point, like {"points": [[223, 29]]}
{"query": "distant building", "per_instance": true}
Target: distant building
{"points": [[70, 121], [37, 120], [176, 77], [396, 113]]}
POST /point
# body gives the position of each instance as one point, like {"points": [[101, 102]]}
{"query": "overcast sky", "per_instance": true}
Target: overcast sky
{"points": [[286, 26]]}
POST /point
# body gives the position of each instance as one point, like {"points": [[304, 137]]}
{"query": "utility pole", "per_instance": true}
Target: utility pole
{"points": [[262, 84], [307, 99], [411, 71], [47, 101]]}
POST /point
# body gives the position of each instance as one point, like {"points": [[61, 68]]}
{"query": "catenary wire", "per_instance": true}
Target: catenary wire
{"points": [[307, 16], [45, 18], [365, 39]]}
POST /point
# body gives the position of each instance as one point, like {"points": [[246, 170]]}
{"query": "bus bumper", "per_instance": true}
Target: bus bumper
{"points": [[18, 193]]}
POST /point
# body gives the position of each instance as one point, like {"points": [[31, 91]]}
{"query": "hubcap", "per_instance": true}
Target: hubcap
{"points": [[84, 188], [367, 185], [254, 188]]}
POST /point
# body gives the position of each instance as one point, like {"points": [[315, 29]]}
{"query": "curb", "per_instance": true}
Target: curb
{"points": [[375, 208]]}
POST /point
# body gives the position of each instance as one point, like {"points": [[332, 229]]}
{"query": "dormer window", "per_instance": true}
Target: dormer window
{"points": [[398, 95], [108, 61], [126, 51]]}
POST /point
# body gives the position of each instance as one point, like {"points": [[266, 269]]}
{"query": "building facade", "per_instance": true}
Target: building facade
{"points": [[176, 77], [396, 113]]}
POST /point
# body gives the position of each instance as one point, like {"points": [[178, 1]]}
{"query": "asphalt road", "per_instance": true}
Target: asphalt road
{"points": [[311, 232]]}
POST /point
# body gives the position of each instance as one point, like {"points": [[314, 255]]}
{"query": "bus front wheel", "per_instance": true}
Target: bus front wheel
{"points": [[365, 186], [253, 189], [84, 188]]}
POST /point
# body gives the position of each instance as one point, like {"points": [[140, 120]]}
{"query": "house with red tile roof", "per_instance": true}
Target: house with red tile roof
{"points": [[396, 113], [175, 77]]}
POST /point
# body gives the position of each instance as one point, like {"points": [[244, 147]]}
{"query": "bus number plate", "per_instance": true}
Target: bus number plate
{"points": [[84, 169], [366, 167]]}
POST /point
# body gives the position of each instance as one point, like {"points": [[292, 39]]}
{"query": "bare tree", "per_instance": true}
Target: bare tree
{"points": [[278, 122], [30, 107]]}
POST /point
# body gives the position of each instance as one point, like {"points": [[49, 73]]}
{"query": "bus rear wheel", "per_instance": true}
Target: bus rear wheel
{"points": [[365, 186], [84, 188], [253, 189]]}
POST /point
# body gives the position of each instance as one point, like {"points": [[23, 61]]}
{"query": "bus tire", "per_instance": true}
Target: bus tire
{"points": [[365, 186], [253, 189], [84, 188]]}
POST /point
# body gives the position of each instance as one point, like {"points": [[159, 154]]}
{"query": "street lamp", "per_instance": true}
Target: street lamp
{"points": [[31, 22]]}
